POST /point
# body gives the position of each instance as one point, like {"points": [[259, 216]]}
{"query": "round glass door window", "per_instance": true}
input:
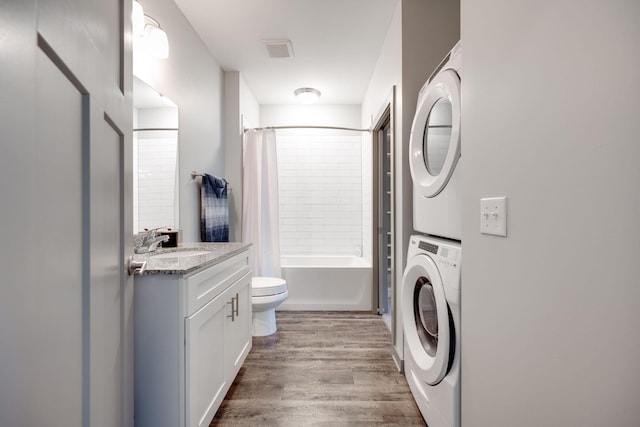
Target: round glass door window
{"points": [[426, 315], [437, 136]]}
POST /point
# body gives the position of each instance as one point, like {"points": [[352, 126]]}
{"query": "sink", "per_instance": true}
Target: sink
{"points": [[179, 254]]}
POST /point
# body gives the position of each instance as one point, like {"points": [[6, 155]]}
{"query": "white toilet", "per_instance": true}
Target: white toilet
{"points": [[267, 293]]}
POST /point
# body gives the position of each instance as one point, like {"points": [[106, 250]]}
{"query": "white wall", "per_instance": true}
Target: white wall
{"points": [[343, 115], [387, 74], [241, 110], [191, 78], [156, 117], [550, 318], [249, 107]]}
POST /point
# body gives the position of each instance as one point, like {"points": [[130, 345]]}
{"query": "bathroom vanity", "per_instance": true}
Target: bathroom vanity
{"points": [[192, 331]]}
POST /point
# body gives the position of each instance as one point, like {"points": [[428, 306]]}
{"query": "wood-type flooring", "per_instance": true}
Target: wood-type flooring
{"points": [[321, 369]]}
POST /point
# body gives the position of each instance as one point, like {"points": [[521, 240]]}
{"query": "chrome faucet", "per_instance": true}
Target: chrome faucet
{"points": [[148, 241]]}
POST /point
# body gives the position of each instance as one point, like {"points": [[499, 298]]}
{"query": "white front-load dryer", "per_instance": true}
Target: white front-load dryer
{"points": [[430, 313], [434, 152]]}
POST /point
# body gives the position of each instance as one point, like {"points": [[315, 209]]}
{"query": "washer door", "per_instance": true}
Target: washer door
{"points": [[434, 144], [425, 318]]}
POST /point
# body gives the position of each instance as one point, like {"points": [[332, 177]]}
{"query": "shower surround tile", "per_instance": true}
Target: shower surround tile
{"points": [[320, 185]]}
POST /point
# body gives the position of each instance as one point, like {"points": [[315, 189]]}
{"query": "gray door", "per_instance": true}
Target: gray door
{"points": [[65, 299]]}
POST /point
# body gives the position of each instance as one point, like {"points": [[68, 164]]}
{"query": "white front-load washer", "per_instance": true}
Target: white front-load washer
{"points": [[430, 304], [434, 152]]}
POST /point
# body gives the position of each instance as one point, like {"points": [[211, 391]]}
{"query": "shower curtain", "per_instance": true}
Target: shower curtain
{"points": [[260, 211]]}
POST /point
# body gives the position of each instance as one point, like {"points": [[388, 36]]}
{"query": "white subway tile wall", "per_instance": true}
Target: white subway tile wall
{"points": [[367, 196], [320, 183], [156, 181]]}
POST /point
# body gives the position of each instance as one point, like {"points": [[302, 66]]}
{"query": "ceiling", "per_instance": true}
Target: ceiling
{"points": [[336, 43]]}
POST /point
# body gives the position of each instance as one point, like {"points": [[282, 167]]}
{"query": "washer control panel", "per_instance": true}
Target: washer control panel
{"points": [[447, 256], [443, 254], [429, 247]]}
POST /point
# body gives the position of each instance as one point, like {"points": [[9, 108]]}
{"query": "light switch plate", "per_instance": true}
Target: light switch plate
{"points": [[493, 216]]}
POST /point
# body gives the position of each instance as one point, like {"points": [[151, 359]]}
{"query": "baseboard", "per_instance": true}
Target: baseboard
{"points": [[397, 359]]}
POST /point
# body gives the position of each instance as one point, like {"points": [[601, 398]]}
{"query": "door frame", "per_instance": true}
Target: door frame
{"points": [[386, 115]]}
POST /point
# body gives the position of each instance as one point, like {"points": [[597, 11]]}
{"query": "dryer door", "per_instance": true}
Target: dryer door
{"points": [[425, 317], [434, 144]]}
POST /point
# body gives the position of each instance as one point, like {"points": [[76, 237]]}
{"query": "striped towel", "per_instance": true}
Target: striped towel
{"points": [[214, 215]]}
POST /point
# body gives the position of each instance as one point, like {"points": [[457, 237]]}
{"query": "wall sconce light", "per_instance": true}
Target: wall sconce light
{"points": [[155, 39], [149, 37], [307, 95], [137, 19]]}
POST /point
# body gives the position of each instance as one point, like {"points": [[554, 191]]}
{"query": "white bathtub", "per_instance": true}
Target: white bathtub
{"points": [[317, 282]]}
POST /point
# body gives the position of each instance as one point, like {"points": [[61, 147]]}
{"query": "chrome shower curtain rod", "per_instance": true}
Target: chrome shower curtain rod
{"points": [[309, 127], [148, 129]]}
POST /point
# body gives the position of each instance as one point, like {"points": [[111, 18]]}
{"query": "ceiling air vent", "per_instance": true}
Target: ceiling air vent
{"points": [[278, 48]]}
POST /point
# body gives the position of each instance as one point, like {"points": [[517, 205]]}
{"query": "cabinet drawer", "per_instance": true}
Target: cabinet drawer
{"points": [[202, 287]]}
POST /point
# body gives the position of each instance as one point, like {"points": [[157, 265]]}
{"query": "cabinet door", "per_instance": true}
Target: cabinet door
{"points": [[238, 338], [205, 361]]}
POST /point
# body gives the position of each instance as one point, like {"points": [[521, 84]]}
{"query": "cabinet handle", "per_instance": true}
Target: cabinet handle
{"points": [[135, 267], [233, 312], [237, 304]]}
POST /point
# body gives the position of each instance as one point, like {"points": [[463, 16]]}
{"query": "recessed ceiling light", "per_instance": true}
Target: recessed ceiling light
{"points": [[307, 95]]}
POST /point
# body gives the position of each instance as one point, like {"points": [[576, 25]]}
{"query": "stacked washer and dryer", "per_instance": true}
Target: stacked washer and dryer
{"points": [[430, 290]]}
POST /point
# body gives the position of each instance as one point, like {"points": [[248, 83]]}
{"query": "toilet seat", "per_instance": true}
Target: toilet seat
{"points": [[266, 286]]}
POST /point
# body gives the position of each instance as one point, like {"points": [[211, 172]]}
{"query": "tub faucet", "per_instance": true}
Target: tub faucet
{"points": [[148, 241]]}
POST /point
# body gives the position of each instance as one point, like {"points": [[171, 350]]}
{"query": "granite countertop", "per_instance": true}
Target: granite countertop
{"points": [[166, 264]]}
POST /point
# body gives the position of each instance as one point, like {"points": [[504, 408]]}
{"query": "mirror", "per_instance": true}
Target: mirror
{"points": [[437, 136], [155, 159]]}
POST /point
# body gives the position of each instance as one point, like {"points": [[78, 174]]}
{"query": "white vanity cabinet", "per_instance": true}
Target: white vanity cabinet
{"points": [[192, 334]]}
